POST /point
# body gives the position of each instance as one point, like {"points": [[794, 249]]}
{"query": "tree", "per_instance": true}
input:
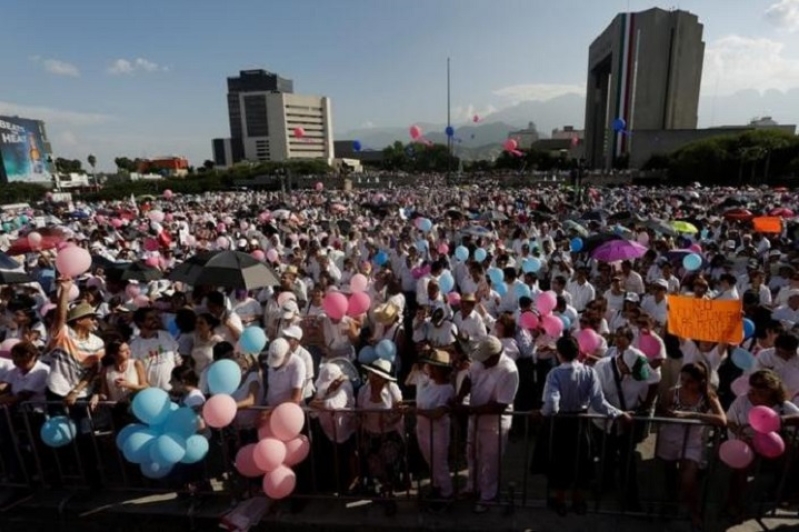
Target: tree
{"points": [[66, 166], [92, 160], [209, 165]]}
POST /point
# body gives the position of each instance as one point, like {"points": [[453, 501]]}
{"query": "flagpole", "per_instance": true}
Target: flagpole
{"points": [[632, 98], [449, 124]]}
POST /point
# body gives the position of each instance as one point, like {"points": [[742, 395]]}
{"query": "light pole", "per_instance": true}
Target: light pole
{"points": [[449, 126]]}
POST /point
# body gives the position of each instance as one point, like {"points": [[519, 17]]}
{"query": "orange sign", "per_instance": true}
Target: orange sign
{"points": [[767, 224], [706, 319]]}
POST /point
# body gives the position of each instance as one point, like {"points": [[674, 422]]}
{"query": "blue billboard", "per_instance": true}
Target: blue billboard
{"points": [[24, 150]]}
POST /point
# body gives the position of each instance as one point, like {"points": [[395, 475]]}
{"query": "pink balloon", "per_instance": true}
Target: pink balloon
{"points": [[34, 239], [169, 217], [415, 132], [475, 119], [335, 305], [769, 445], [279, 484], [454, 298], [319, 186], [73, 261], [132, 291], [510, 145], [245, 462], [588, 340], [152, 262], [299, 132], [74, 292], [552, 325], [168, 194], [764, 419], [5, 347], [219, 411], [258, 255], [243, 225], [287, 421], [643, 238], [272, 255], [265, 216], [358, 283], [116, 223], [47, 307], [141, 301], [265, 431], [100, 219], [269, 454], [736, 454], [358, 304], [297, 450], [443, 249], [156, 216], [696, 248], [740, 386], [529, 321], [285, 297], [546, 302], [151, 244], [649, 345]]}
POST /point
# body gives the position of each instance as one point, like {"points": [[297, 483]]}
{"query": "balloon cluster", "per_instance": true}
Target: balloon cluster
{"points": [[166, 436], [384, 350], [337, 305], [280, 446], [766, 441]]}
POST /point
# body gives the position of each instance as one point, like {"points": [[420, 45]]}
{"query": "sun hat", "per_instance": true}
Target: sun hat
{"points": [[79, 311], [278, 351], [328, 374], [293, 331], [438, 358], [386, 313], [468, 298], [381, 368], [488, 347]]}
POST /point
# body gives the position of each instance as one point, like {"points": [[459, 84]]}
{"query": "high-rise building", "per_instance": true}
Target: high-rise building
{"points": [[644, 72], [265, 114]]}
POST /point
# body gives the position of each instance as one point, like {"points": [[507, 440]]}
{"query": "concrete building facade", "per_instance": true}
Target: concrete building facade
{"points": [[644, 69]]}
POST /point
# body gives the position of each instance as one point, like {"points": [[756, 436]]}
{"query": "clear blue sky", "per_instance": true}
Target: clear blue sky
{"points": [[148, 77]]}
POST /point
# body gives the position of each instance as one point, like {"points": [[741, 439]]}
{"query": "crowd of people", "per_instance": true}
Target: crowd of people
{"points": [[466, 349]]}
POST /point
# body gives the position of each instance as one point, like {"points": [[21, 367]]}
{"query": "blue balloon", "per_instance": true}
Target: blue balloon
{"points": [[619, 125], [173, 328], [446, 282], [462, 253], [480, 254], [496, 275], [531, 265], [356, 145], [155, 471], [196, 449], [500, 288], [692, 262], [224, 376], [168, 449], [567, 323], [422, 245], [426, 225], [386, 350], [749, 328], [126, 431], [183, 421], [137, 446], [58, 431], [703, 234], [743, 359], [152, 405], [380, 258], [521, 290], [450, 131], [576, 244], [367, 355], [252, 341]]}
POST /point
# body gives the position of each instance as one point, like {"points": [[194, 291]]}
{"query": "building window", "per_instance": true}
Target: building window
{"points": [[255, 116]]}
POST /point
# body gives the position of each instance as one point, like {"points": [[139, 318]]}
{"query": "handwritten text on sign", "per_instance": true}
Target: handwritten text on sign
{"points": [[704, 319]]}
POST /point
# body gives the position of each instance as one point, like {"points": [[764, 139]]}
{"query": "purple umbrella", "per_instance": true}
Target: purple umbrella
{"points": [[616, 250]]}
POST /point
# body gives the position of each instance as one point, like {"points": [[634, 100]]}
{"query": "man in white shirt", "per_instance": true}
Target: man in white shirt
{"points": [[631, 279], [581, 290], [469, 324], [25, 378], [655, 304], [230, 326], [422, 297], [286, 376], [492, 384], [788, 313], [247, 308], [615, 295], [293, 335], [156, 349]]}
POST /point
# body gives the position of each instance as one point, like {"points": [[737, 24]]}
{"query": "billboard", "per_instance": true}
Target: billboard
{"points": [[24, 150]]}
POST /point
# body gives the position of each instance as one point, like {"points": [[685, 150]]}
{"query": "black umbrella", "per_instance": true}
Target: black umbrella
{"points": [[620, 216], [142, 273], [661, 227], [592, 215], [8, 277], [98, 261], [188, 270], [234, 269]]}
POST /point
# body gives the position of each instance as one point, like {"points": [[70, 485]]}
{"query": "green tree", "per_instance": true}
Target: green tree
{"points": [[92, 160], [209, 165]]}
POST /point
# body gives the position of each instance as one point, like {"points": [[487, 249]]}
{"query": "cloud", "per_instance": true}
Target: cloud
{"points": [[57, 67], [461, 113], [54, 116], [537, 91], [368, 124], [784, 14], [734, 63], [67, 139], [126, 67]]}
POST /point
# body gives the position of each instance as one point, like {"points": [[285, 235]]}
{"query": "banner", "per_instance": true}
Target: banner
{"points": [[706, 319], [24, 150], [767, 224]]}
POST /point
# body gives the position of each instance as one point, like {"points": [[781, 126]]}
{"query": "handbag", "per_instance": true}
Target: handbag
{"points": [[640, 429]]}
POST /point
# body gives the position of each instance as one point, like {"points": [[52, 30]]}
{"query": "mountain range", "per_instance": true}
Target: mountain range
{"points": [[482, 139]]}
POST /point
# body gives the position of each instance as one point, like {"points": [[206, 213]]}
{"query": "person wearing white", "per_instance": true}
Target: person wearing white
{"points": [[247, 308], [469, 323], [286, 377], [656, 305], [156, 349], [615, 295], [581, 290], [491, 384], [334, 392], [709, 354], [293, 335], [790, 311], [25, 378], [783, 360]]}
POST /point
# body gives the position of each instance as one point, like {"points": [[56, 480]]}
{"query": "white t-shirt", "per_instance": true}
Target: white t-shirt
{"points": [[282, 381], [499, 384], [159, 355], [374, 422], [194, 398], [6, 365], [35, 381], [788, 370]]}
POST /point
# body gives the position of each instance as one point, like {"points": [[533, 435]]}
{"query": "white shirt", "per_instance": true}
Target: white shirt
{"points": [[498, 384], [786, 313], [248, 309], [582, 294], [375, 422], [788, 370], [284, 380], [658, 311], [159, 355], [615, 302], [634, 391], [305, 356], [35, 381], [711, 359], [633, 282], [472, 325]]}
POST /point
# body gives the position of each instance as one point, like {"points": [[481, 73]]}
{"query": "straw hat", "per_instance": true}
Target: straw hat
{"points": [[386, 313], [79, 311], [382, 368], [438, 358], [488, 347]]}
